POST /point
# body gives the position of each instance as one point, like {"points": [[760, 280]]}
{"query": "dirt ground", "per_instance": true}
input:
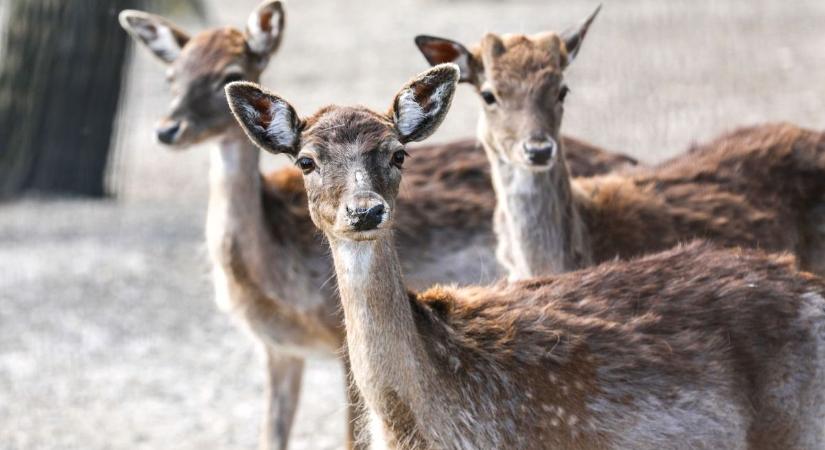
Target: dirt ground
{"points": [[109, 338]]}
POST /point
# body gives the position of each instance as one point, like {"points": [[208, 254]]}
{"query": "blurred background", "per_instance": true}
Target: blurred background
{"points": [[108, 334]]}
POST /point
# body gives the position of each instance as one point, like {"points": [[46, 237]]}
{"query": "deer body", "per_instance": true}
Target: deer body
{"points": [[691, 348], [592, 360]]}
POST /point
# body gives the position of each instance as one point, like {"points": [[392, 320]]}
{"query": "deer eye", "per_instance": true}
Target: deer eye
{"points": [[398, 158], [489, 97], [232, 77], [563, 93], [306, 164]]}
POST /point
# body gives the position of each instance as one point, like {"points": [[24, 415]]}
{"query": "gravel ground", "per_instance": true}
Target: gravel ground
{"points": [[108, 334]]}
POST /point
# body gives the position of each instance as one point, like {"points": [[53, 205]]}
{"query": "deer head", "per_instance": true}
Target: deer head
{"points": [[351, 157], [200, 66], [521, 84]]}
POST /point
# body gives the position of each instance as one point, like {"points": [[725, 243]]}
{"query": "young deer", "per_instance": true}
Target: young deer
{"points": [[268, 270], [757, 187], [692, 348]]}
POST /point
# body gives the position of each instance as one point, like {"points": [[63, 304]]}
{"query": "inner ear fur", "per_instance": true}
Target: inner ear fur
{"points": [[267, 119], [438, 50], [265, 28], [422, 104], [163, 38]]}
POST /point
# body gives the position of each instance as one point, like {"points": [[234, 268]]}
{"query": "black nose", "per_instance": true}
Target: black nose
{"points": [[539, 153], [363, 219], [168, 133]]}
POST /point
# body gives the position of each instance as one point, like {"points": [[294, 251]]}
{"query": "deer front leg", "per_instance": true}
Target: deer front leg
{"points": [[282, 393], [357, 430]]}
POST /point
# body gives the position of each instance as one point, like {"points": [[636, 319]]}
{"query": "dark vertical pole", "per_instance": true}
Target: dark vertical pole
{"points": [[60, 81]]}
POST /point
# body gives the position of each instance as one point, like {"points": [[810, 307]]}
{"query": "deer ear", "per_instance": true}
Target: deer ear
{"points": [[269, 121], [265, 27], [574, 36], [421, 105], [160, 36], [439, 51]]}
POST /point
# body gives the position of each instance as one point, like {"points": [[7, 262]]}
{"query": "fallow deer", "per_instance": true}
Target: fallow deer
{"points": [[691, 348], [758, 187], [269, 271]]}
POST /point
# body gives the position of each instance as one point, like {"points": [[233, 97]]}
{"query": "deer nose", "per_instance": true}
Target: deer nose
{"points": [[365, 213], [168, 132], [540, 152]]}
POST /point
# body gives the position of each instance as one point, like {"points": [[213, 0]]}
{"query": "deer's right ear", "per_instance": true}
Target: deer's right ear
{"points": [[422, 104], [160, 36], [265, 28], [439, 51], [269, 121]]}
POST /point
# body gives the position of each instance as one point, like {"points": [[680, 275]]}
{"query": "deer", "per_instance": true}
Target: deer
{"points": [[694, 347], [269, 272], [760, 186]]}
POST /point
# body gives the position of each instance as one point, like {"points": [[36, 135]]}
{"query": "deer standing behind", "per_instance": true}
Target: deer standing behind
{"points": [[269, 270], [692, 348], [761, 187]]}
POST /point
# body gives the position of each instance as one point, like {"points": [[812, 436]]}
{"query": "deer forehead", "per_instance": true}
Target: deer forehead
{"points": [[338, 132], [532, 57], [211, 51]]}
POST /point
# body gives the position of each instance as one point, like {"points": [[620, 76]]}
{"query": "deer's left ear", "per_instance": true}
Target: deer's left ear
{"points": [[422, 104], [439, 51], [573, 37], [265, 28], [269, 121], [160, 36]]}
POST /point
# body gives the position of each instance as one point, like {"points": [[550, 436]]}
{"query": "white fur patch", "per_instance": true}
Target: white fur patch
{"points": [[356, 261], [280, 128], [159, 39], [260, 41], [378, 440], [410, 115]]}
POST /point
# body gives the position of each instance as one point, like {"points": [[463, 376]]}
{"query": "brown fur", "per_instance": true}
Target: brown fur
{"points": [[752, 187], [667, 314]]}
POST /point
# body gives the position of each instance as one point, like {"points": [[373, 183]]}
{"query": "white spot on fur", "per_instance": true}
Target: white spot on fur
{"points": [[378, 439], [455, 363], [221, 284], [440, 348]]}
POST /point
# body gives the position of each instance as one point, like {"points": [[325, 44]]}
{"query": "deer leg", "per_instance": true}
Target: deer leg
{"points": [[283, 391], [357, 430]]}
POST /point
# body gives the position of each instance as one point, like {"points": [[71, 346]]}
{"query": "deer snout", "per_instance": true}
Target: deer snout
{"points": [[169, 131], [540, 152], [365, 211]]}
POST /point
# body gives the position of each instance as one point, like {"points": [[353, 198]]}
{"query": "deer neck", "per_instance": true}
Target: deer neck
{"points": [[241, 246], [234, 179], [386, 352], [538, 221]]}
